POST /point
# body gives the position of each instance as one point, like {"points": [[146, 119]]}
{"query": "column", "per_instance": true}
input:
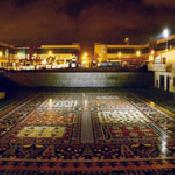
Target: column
{"points": [[165, 80]]}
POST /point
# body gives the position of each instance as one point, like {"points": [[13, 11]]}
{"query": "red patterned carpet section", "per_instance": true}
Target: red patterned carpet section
{"points": [[85, 127]]}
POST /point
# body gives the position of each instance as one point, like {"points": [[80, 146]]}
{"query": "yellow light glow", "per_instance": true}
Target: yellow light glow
{"points": [[85, 59], [44, 62], [50, 103], [152, 52], [84, 62], [138, 53], [18, 54], [1, 53], [50, 53], [85, 54], [35, 54], [120, 54], [152, 104]]}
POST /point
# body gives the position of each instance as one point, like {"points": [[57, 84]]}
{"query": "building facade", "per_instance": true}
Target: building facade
{"points": [[48, 56], [158, 55], [122, 55], [5, 54], [162, 63]]}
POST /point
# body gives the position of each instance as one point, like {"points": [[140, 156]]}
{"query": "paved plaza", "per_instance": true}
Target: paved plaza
{"points": [[85, 126]]}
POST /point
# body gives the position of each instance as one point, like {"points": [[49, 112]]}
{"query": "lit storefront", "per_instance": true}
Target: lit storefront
{"points": [[44, 56]]}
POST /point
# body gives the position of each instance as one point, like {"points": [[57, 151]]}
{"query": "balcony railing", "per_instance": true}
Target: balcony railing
{"points": [[157, 67]]}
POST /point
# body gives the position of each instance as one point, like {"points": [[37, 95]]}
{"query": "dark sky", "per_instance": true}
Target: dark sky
{"points": [[32, 22]]}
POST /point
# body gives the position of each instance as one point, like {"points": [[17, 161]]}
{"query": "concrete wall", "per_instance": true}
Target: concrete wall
{"points": [[80, 79]]}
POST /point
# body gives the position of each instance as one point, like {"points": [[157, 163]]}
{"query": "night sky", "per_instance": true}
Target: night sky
{"points": [[32, 22]]}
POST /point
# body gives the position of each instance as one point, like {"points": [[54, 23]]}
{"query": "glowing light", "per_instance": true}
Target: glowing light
{"points": [[1, 53], [50, 53], [152, 104], [152, 52], [84, 60], [44, 62], [85, 54], [35, 55], [120, 54], [126, 40], [166, 33], [50, 103], [138, 53], [18, 54]]}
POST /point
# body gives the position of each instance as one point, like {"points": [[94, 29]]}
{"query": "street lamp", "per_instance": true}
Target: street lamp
{"points": [[166, 34]]}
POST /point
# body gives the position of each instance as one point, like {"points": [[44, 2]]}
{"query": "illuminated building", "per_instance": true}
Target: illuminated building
{"points": [[5, 54], [57, 56], [85, 60], [122, 55], [162, 62], [48, 56], [159, 55]]}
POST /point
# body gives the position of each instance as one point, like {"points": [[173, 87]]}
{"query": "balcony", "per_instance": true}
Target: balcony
{"points": [[157, 67]]}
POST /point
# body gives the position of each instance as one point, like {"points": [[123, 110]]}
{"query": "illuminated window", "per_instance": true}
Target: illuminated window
{"points": [[1, 53], [138, 53], [21, 54], [119, 54], [51, 53]]}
